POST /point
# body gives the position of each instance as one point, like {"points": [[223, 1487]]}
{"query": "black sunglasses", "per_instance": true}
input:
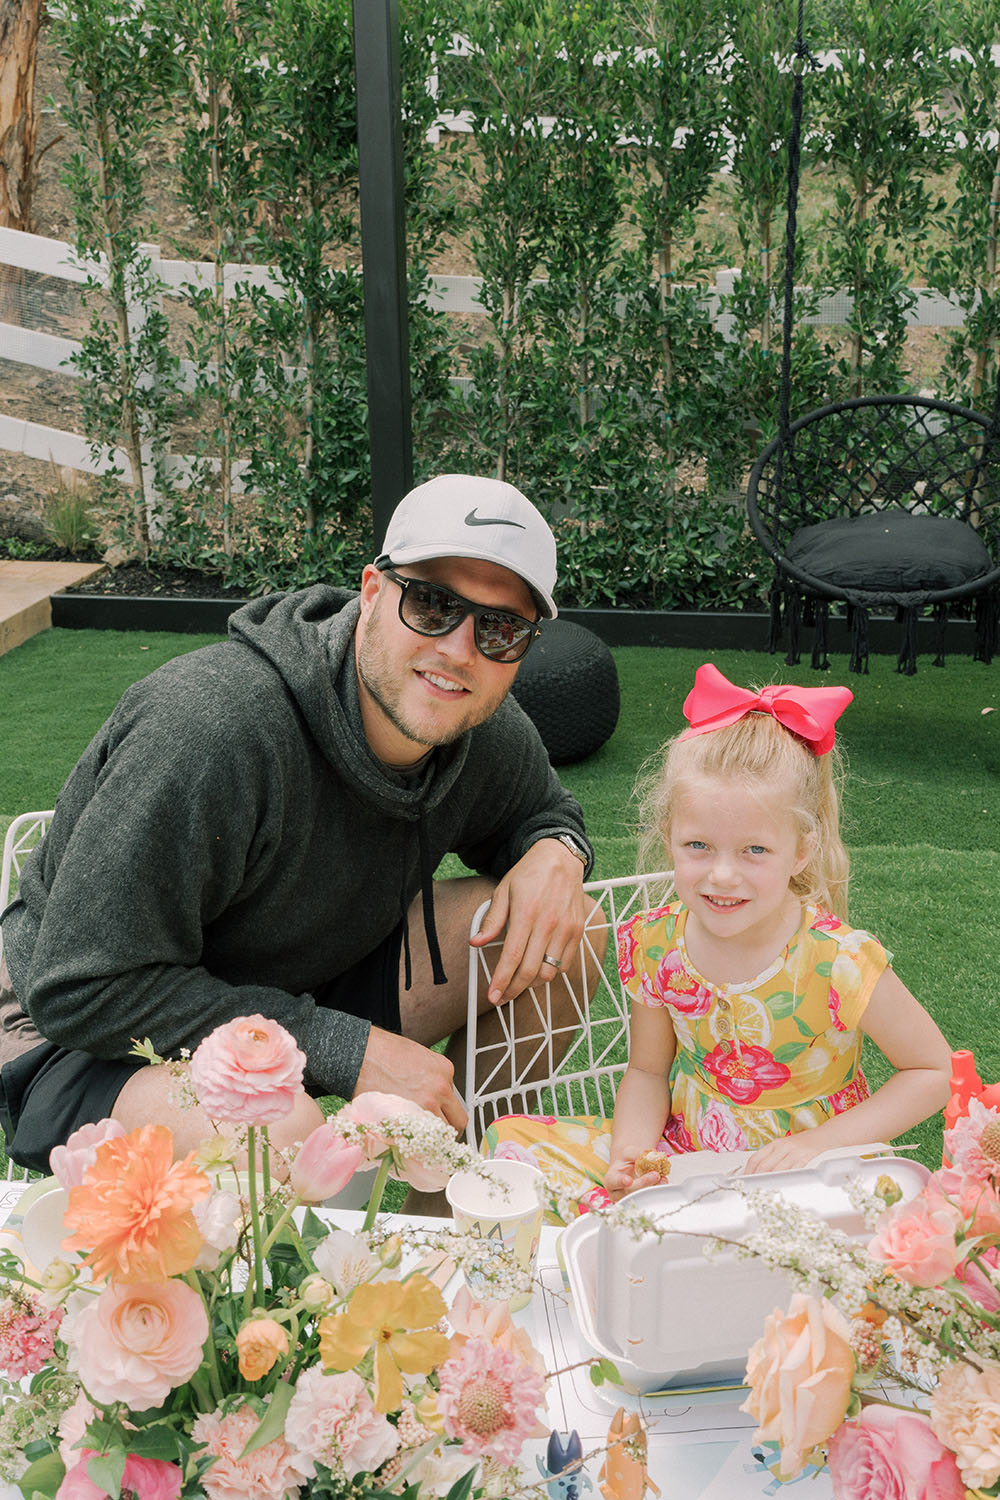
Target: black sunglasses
{"points": [[428, 609]]}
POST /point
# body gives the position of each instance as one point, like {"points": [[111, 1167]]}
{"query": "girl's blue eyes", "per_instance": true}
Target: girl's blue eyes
{"points": [[751, 848]]}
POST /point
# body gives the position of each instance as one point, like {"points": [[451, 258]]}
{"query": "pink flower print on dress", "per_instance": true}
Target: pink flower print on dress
{"points": [[719, 1129], [627, 948], [833, 1005], [855, 1092], [745, 1073], [825, 921], [676, 1136], [680, 990]]}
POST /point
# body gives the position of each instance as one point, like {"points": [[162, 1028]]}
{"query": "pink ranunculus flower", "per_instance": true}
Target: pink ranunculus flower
{"points": [[68, 1163], [137, 1341], [719, 1129], [974, 1198], [324, 1165], [918, 1241], [268, 1473], [249, 1071], [374, 1109], [333, 1420], [799, 1373], [744, 1073], [894, 1455], [490, 1399], [145, 1478]]}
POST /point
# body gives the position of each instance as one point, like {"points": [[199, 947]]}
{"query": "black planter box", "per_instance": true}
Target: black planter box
{"points": [[718, 630]]}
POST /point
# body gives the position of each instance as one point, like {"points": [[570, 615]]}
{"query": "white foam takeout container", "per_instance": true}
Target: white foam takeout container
{"points": [[666, 1314]]}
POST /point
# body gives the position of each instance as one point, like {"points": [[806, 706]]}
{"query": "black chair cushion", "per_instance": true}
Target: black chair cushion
{"points": [[892, 551]]}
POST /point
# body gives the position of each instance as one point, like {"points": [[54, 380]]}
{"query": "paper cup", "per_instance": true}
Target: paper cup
{"points": [[511, 1220]]}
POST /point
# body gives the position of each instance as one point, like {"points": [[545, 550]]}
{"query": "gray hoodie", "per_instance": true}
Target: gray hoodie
{"points": [[227, 843]]}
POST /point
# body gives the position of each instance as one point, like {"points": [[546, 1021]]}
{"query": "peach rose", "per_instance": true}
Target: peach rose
{"points": [[965, 1415], [324, 1165], [248, 1071], [68, 1163], [137, 1341], [261, 1342], [894, 1455], [799, 1376], [917, 1240]]}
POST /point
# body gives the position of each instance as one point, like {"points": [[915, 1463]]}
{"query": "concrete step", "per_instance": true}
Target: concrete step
{"points": [[25, 590]]}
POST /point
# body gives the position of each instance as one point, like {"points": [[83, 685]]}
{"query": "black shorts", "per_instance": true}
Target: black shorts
{"points": [[49, 1092]]}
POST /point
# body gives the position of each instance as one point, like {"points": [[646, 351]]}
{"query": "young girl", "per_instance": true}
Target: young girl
{"points": [[750, 993]]}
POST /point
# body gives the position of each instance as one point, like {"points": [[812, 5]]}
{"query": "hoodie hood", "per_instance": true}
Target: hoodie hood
{"points": [[308, 639]]}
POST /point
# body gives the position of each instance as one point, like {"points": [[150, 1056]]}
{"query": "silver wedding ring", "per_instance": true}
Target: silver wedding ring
{"points": [[548, 959]]}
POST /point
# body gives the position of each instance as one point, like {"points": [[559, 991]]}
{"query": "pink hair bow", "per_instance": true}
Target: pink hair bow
{"points": [[811, 713]]}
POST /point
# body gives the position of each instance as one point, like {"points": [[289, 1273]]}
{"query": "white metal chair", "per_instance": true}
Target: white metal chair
{"points": [[583, 1082], [24, 833]]}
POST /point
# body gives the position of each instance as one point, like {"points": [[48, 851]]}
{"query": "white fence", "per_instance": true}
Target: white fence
{"points": [[53, 352]]}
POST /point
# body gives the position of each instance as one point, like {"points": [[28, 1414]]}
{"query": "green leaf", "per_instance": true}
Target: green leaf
{"points": [[462, 1488], [789, 1052], [106, 1470], [272, 1423], [604, 1370], [43, 1477]]}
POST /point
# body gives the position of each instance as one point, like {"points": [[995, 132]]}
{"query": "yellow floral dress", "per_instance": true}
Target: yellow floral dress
{"points": [[755, 1060]]}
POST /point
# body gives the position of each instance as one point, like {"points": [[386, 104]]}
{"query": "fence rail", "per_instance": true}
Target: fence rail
{"points": [[53, 353]]}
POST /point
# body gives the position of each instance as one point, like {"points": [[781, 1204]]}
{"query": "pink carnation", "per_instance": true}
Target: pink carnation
{"points": [[918, 1241], [145, 1478], [249, 1071], [68, 1163], [490, 1400], [137, 1341], [27, 1333], [894, 1455], [333, 1420], [268, 1473]]}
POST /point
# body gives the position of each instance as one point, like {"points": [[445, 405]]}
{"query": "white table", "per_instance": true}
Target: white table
{"points": [[700, 1444]]}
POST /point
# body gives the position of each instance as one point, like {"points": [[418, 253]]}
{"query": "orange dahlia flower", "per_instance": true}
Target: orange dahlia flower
{"points": [[132, 1212]]}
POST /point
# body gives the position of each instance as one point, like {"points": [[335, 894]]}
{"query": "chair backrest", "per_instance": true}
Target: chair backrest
{"points": [[24, 833], [523, 1071]]}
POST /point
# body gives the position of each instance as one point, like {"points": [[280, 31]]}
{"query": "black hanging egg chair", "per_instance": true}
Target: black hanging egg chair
{"points": [[879, 502]]}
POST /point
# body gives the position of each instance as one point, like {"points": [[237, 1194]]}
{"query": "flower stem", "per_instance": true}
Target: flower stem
{"points": [[375, 1201], [258, 1258]]}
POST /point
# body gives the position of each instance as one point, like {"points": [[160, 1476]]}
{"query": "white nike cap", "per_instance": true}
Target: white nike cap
{"points": [[462, 515]]}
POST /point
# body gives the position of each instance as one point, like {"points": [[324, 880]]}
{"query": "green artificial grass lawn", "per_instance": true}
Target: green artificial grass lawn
{"points": [[920, 803]]}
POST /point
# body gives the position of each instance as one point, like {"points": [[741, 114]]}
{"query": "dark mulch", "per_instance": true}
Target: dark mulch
{"points": [[159, 583]]}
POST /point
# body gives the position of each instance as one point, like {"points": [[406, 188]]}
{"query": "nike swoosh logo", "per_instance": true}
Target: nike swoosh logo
{"points": [[473, 520]]}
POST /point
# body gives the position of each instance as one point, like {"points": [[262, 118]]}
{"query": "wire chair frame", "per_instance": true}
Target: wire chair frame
{"points": [[24, 832], [537, 1067]]}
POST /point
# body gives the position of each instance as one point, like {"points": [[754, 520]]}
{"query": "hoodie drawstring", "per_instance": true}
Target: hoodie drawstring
{"points": [[427, 899]]}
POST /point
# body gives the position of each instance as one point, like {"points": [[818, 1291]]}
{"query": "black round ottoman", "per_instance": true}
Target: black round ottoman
{"points": [[568, 686]]}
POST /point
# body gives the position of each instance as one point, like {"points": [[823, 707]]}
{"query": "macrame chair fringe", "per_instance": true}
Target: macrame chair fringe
{"points": [[940, 621], [774, 632], [820, 660], [793, 615], [858, 619], [906, 661], [986, 626]]}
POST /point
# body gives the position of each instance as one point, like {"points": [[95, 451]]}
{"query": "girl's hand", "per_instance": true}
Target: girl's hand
{"points": [[620, 1179], [785, 1154]]}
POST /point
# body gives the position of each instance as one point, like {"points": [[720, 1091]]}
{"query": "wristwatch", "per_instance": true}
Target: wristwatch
{"points": [[574, 846]]}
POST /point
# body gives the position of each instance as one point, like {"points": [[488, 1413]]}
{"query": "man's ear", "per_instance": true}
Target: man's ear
{"points": [[371, 587]]}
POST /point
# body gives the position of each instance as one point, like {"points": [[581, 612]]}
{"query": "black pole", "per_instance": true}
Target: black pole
{"points": [[383, 254]]}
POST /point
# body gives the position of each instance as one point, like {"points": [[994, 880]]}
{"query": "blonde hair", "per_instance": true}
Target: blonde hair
{"points": [[757, 751]]}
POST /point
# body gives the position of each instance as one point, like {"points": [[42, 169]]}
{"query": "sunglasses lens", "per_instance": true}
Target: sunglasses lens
{"points": [[430, 610], [502, 637]]}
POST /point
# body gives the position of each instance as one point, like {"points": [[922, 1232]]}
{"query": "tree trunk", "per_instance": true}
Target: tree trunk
{"points": [[19, 24]]}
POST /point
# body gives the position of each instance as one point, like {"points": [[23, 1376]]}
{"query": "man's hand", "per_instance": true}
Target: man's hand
{"points": [[541, 904], [396, 1065]]}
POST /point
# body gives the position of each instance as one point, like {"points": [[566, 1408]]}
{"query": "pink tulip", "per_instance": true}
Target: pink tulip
{"points": [[324, 1165]]}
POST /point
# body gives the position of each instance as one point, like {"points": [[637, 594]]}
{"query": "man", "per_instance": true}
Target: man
{"points": [[256, 827]]}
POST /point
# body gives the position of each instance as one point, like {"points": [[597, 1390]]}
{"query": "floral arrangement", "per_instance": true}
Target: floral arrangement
{"points": [[885, 1367], [204, 1333]]}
